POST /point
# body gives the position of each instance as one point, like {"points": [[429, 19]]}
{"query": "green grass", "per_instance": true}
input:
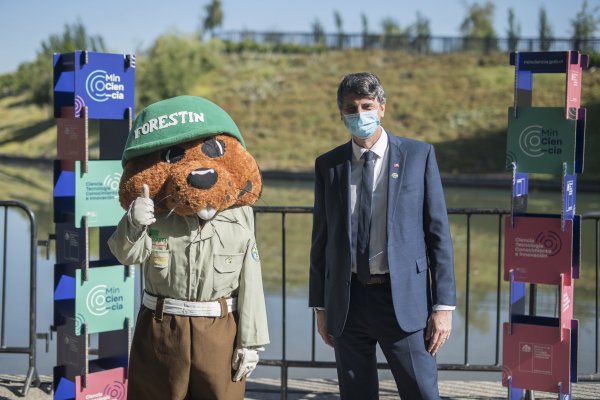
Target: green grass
{"points": [[285, 106]]}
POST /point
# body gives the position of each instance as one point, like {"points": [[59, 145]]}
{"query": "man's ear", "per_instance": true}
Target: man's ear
{"points": [[381, 112]]}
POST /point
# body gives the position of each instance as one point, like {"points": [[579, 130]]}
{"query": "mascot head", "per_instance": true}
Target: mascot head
{"points": [[192, 156]]}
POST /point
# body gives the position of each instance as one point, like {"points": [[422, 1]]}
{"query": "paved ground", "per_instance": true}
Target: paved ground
{"points": [[326, 389]]}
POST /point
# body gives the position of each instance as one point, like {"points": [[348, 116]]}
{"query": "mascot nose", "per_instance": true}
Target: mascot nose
{"points": [[202, 178]]}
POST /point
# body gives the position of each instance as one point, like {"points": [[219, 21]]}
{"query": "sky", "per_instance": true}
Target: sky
{"points": [[128, 26]]}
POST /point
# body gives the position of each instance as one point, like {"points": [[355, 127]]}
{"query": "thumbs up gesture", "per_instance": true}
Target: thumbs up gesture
{"points": [[141, 210]]}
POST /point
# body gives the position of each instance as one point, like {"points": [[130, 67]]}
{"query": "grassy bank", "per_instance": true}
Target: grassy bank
{"points": [[285, 106]]}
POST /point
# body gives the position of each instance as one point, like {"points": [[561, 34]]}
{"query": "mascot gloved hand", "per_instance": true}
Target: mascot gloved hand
{"points": [[141, 210], [187, 186], [244, 362]]}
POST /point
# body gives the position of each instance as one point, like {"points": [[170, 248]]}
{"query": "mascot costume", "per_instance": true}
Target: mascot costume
{"points": [[187, 185]]}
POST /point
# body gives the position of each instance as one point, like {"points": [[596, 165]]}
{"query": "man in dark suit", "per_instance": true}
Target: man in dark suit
{"points": [[381, 262]]}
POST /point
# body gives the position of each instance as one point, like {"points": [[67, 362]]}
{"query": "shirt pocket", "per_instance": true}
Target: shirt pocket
{"points": [[157, 271], [227, 268], [160, 259]]}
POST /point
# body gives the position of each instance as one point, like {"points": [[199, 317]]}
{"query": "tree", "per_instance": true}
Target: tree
{"points": [[394, 37], [318, 32], [174, 65], [213, 18], [35, 77], [365, 30], [585, 24], [422, 34], [514, 30], [477, 28], [74, 37], [339, 25], [545, 31]]}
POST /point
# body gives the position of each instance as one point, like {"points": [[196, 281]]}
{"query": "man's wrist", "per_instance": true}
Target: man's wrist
{"points": [[318, 309]]}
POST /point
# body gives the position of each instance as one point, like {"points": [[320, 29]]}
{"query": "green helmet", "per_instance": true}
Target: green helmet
{"points": [[177, 120]]}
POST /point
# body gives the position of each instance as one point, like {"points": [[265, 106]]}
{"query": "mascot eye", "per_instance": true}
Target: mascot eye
{"points": [[213, 148], [173, 154]]}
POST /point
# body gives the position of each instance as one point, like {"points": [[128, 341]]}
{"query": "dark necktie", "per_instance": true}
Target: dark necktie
{"points": [[364, 218]]}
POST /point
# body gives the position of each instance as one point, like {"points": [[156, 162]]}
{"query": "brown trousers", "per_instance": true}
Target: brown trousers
{"points": [[183, 358]]}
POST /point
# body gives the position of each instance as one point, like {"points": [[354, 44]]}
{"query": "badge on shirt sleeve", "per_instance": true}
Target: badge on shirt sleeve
{"points": [[254, 253]]}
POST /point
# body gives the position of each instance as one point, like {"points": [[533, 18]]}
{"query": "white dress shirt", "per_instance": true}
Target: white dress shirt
{"points": [[378, 260]]}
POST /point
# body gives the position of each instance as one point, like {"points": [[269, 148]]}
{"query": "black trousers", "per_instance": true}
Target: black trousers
{"points": [[371, 320]]}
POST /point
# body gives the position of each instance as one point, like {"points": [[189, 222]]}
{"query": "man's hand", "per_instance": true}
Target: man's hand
{"points": [[141, 211], [244, 361], [438, 330], [322, 327]]}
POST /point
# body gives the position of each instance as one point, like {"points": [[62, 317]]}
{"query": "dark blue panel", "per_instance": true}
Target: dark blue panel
{"points": [[576, 245], [65, 290], [105, 84], [536, 320], [65, 390], [543, 62], [574, 347], [65, 184], [580, 140], [64, 82], [524, 80], [569, 196]]}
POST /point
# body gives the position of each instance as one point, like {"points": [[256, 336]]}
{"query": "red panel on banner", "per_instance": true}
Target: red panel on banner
{"points": [[538, 250], [535, 357], [71, 139], [573, 87], [566, 306], [104, 385]]}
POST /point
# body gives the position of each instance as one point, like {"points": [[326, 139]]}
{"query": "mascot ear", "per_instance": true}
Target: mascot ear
{"points": [[249, 183], [244, 172], [146, 169]]}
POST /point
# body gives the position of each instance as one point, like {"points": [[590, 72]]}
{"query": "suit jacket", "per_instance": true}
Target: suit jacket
{"points": [[419, 245]]}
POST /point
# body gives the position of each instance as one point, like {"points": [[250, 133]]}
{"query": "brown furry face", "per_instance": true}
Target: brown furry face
{"points": [[215, 172]]}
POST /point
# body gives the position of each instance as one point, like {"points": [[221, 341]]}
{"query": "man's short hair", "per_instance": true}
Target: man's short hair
{"points": [[363, 84]]}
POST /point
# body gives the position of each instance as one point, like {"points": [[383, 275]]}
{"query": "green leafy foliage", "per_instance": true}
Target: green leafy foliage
{"points": [[545, 31], [585, 25], [478, 25], [35, 78], [173, 66]]}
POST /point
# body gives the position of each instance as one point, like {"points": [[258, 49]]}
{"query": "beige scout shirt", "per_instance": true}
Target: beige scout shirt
{"points": [[183, 261]]}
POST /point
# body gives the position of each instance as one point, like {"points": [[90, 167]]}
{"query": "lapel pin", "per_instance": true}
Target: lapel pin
{"points": [[395, 175]]}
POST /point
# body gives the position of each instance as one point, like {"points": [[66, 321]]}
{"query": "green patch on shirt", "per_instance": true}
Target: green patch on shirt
{"points": [[158, 241]]}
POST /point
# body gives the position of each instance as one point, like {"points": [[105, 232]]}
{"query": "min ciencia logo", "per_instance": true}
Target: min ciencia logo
{"points": [[101, 86], [535, 141], [102, 299]]}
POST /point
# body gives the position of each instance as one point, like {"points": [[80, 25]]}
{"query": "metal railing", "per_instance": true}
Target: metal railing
{"points": [[32, 377], [284, 363], [419, 44]]}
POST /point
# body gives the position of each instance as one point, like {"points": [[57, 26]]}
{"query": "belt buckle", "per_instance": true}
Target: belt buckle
{"points": [[224, 309], [158, 312], [378, 279]]}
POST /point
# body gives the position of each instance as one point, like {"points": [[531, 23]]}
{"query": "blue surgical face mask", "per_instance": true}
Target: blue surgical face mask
{"points": [[362, 125]]}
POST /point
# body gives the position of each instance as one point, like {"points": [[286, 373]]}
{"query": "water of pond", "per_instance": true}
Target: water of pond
{"points": [[482, 318]]}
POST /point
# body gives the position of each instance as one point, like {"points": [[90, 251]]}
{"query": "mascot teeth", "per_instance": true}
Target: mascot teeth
{"points": [[207, 213], [203, 172]]}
